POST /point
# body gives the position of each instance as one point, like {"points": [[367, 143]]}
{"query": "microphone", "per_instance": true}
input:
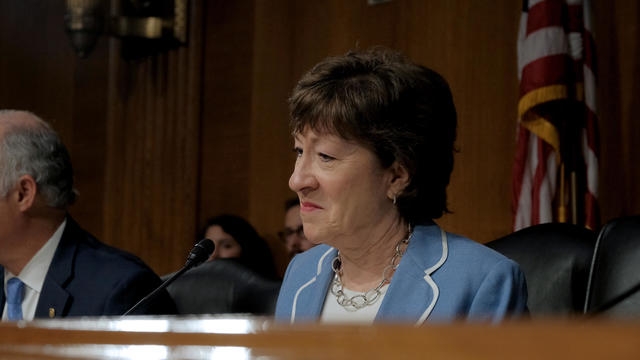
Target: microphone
{"points": [[199, 254]]}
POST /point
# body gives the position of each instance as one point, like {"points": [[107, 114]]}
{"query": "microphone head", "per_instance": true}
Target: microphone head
{"points": [[200, 253]]}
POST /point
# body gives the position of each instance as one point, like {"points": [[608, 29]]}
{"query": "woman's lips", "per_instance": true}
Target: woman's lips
{"points": [[307, 206]]}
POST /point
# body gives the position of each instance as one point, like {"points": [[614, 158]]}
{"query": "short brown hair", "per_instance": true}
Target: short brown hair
{"points": [[400, 110]]}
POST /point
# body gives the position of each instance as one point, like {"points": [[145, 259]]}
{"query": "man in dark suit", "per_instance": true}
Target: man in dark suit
{"points": [[49, 266]]}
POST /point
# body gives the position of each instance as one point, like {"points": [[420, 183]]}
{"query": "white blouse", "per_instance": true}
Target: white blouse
{"points": [[332, 312]]}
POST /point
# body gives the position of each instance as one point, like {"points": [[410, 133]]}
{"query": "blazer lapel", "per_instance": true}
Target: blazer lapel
{"points": [[2, 300], [54, 299], [309, 297], [412, 294]]}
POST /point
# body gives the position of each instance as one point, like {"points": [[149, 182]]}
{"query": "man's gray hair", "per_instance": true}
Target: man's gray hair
{"points": [[36, 151]]}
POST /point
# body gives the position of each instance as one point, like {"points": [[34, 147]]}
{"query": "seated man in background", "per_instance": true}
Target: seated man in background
{"points": [[293, 233], [50, 267]]}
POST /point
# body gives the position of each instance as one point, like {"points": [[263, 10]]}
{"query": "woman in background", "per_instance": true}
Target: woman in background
{"points": [[235, 238]]}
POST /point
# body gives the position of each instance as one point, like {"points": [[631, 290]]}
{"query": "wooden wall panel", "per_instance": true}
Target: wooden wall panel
{"points": [[87, 143], [473, 45], [271, 158], [152, 158], [36, 61], [617, 31], [226, 109]]}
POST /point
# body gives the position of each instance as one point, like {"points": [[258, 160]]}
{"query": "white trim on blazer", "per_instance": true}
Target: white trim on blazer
{"points": [[313, 279], [429, 280]]}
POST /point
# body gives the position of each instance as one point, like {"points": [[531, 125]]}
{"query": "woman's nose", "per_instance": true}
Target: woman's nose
{"points": [[302, 178]]}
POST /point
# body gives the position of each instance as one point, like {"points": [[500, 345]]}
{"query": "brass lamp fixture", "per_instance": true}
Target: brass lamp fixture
{"points": [[160, 21]]}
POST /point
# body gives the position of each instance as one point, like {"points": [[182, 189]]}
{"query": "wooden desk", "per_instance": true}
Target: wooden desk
{"points": [[251, 338]]}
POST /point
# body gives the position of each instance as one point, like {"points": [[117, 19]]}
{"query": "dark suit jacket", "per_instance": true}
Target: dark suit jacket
{"points": [[89, 278]]}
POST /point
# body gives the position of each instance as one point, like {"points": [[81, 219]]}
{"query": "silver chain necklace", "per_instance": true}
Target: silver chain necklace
{"points": [[359, 301]]}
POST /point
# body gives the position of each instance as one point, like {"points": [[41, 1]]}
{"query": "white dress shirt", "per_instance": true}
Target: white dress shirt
{"points": [[33, 275]]}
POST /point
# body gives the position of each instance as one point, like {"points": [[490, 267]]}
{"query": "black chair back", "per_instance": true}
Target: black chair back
{"points": [[555, 259], [223, 286], [614, 281]]}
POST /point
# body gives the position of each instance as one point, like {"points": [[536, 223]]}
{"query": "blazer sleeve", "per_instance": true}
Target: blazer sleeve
{"points": [[502, 294]]}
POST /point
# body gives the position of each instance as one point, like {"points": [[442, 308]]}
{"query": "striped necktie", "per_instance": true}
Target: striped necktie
{"points": [[15, 291]]}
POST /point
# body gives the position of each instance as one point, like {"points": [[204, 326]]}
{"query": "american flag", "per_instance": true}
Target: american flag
{"points": [[557, 141]]}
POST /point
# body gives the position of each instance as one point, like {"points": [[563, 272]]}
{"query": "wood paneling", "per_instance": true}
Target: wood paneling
{"points": [[36, 61], [617, 32], [226, 109], [88, 137], [473, 45], [271, 158], [152, 160]]}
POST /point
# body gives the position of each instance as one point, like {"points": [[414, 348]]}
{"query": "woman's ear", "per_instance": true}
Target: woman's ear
{"points": [[399, 179]]}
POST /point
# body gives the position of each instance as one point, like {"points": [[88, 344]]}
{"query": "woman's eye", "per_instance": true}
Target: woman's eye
{"points": [[325, 157], [298, 151]]}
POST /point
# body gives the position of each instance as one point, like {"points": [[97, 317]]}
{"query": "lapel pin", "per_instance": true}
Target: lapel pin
{"points": [[52, 313]]}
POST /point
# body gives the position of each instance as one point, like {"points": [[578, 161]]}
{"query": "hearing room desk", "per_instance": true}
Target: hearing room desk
{"points": [[260, 338]]}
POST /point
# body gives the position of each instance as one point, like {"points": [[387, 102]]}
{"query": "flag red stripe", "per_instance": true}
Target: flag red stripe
{"points": [[545, 71], [592, 211], [575, 21], [544, 14]]}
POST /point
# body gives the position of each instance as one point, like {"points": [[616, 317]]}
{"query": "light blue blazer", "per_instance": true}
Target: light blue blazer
{"points": [[442, 277]]}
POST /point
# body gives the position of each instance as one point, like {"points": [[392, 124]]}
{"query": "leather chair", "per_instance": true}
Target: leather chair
{"points": [[555, 259], [223, 286], [614, 280]]}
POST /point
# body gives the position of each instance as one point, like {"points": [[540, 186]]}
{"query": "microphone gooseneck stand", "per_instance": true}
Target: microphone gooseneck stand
{"points": [[201, 252]]}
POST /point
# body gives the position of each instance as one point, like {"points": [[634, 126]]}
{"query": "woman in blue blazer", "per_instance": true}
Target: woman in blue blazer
{"points": [[374, 136]]}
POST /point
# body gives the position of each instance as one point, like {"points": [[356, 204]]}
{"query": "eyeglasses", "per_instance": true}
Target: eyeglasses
{"points": [[289, 231]]}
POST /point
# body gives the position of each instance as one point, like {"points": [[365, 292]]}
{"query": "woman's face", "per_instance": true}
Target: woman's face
{"points": [[226, 245], [342, 187]]}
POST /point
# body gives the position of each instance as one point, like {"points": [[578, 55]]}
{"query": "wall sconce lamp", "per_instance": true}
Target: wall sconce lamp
{"points": [[160, 21]]}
